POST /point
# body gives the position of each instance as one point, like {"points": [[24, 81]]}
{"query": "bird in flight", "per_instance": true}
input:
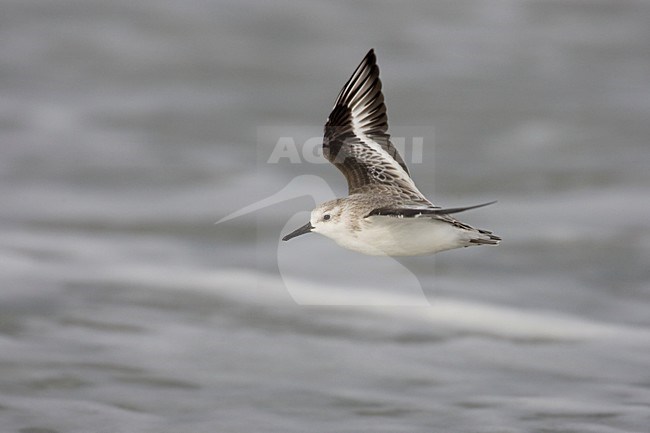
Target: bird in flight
{"points": [[384, 212]]}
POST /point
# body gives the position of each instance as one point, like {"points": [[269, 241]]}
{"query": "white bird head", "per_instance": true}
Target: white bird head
{"points": [[326, 219]]}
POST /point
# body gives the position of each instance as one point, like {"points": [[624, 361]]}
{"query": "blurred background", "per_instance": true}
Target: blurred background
{"points": [[128, 128]]}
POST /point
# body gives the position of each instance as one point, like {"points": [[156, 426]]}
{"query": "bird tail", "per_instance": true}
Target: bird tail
{"points": [[485, 237]]}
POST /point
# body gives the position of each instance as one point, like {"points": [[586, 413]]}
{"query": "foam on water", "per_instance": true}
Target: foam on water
{"points": [[247, 286]]}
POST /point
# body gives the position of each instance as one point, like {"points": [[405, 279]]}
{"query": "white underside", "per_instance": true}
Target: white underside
{"points": [[383, 235]]}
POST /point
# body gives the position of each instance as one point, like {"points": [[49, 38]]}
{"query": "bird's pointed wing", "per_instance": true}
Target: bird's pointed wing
{"points": [[420, 211], [356, 139]]}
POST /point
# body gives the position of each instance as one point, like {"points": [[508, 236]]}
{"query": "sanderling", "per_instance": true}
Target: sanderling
{"points": [[384, 213]]}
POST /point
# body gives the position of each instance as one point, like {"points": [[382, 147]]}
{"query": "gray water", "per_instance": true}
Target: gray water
{"points": [[128, 128]]}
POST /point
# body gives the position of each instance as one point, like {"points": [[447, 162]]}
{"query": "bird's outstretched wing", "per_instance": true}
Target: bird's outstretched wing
{"points": [[415, 211], [356, 139], [419, 211]]}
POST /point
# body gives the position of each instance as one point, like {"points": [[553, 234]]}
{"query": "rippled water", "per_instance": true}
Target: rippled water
{"points": [[128, 128]]}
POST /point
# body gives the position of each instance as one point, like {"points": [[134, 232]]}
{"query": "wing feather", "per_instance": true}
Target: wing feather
{"points": [[419, 211], [356, 139]]}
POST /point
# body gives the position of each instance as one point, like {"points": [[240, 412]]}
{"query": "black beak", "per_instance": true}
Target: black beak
{"points": [[301, 231]]}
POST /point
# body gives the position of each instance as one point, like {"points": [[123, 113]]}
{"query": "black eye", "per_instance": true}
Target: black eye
{"points": [[326, 217]]}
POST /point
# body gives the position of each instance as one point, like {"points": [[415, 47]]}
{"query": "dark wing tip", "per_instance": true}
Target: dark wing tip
{"points": [[462, 209]]}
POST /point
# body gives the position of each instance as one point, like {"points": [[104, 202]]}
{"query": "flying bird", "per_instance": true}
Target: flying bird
{"points": [[384, 212]]}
